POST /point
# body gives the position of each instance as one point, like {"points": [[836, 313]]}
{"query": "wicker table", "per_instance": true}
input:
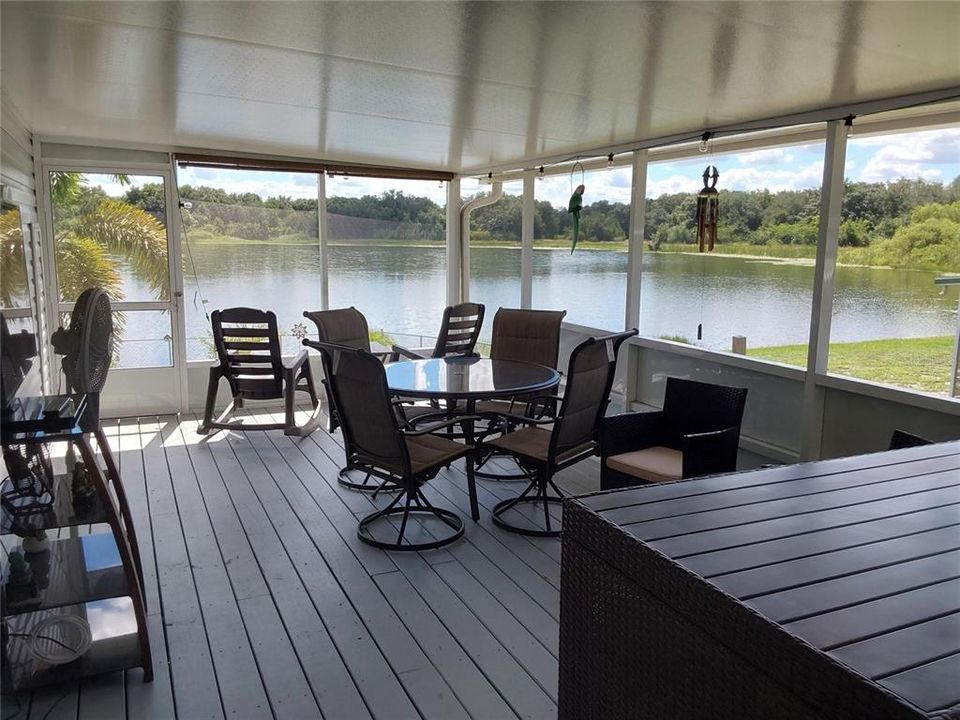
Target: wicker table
{"points": [[819, 590]]}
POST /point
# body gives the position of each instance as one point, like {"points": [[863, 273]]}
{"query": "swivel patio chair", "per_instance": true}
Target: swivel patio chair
{"points": [[525, 336], [402, 458], [248, 347], [347, 327], [573, 437], [459, 331], [696, 433]]}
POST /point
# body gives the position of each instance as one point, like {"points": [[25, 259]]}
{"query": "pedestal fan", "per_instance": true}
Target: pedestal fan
{"points": [[87, 346]]}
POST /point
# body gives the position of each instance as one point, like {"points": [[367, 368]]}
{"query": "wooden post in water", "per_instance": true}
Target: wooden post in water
{"points": [[739, 345]]}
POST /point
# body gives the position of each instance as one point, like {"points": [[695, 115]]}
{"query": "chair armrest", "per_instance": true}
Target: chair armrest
{"points": [[709, 453], [519, 419], [440, 426], [631, 431], [400, 351], [295, 362]]}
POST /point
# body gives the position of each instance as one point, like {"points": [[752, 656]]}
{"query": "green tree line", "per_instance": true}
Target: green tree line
{"points": [[916, 218]]}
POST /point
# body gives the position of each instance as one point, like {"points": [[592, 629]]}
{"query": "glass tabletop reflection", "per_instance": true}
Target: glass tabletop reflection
{"points": [[468, 378]]}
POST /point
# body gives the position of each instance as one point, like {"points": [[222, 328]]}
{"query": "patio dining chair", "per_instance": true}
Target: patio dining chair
{"points": [[402, 458], [248, 348], [525, 336], [697, 433], [543, 452], [459, 331], [347, 327]]}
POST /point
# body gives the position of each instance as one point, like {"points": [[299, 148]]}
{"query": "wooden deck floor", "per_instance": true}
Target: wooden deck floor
{"points": [[264, 604]]}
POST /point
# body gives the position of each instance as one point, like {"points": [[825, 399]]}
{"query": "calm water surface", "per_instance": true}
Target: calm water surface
{"points": [[402, 290]]}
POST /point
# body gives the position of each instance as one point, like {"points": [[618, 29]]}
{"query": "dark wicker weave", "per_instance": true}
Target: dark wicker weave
{"points": [[248, 347], [642, 637], [701, 420], [402, 458]]}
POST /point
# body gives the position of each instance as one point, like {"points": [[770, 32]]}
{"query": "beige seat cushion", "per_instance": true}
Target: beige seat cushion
{"points": [[656, 464], [428, 451], [531, 442]]}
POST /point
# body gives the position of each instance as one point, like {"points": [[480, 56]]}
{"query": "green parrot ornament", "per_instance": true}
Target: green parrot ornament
{"points": [[574, 207]]}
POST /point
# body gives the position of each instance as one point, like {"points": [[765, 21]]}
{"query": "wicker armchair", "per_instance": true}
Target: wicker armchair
{"points": [[573, 436], [696, 433], [459, 331], [402, 458]]}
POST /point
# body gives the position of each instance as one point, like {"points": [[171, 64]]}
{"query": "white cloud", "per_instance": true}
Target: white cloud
{"points": [[773, 156], [910, 155], [751, 178], [674, 184]]}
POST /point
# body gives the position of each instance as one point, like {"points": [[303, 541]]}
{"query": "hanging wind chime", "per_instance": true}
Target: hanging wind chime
{"points": [[576, 203], [708, 210]]}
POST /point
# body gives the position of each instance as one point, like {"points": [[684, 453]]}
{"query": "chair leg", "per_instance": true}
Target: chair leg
{"points": [[212, 385], [289, 390], [414, 503], [537, 496]]}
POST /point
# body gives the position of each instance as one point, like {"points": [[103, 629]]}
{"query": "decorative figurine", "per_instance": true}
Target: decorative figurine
{"points": [[35, 542], [84, 493], [574, 207], [299, 331], [21, 589]]}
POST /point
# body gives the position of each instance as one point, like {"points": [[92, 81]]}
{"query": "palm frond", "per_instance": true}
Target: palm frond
{"points": [[13, 267], [135, 235]]}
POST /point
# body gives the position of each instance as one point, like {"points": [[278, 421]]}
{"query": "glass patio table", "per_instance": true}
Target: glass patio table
{"points": [[468, 380]]}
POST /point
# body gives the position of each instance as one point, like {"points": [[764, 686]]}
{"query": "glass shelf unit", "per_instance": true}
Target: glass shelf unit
{"points": [[114, 644]]}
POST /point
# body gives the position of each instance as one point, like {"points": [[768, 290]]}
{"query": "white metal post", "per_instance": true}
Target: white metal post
{"points": [[824, 281], [323, 228], [526, 240], [454, 255], [638, 211]]}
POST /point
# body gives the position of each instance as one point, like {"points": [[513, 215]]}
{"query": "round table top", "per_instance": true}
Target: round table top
{"points": [[466, 378]]}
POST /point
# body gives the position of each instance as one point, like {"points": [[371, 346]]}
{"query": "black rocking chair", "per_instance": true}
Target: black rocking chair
{"points": [[248, 347]]}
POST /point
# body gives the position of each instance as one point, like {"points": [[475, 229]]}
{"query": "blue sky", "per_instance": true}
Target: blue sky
{"points": [[929, 154]]}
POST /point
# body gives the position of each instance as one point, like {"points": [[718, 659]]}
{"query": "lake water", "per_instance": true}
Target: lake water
{"points": [[402, 290]]}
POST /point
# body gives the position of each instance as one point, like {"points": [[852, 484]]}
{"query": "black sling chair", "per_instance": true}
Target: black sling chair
{"points": [[541, 453], [404, 458]]}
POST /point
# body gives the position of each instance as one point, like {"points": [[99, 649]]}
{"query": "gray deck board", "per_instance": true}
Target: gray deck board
{"points": [[262, 601]]}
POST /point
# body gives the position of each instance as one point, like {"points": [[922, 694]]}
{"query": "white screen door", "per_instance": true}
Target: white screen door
{"points": [[112, 227]]}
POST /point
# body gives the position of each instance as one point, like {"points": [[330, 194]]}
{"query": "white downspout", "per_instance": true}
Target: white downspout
{"points": [[496, 192]]}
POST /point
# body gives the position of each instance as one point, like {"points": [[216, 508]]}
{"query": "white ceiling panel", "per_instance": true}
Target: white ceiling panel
{"points": [[454, 85]]}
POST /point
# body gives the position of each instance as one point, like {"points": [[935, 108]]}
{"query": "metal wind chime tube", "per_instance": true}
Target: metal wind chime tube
{"points": [[708, 210]]}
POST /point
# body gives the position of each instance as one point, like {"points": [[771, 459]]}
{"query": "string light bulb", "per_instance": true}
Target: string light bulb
{"points": [[540, 175], [609, 161], [705, 142], [848, 124]]}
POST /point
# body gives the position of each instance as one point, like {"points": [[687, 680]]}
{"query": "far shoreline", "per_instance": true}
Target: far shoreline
{"points": [[791, 254]]}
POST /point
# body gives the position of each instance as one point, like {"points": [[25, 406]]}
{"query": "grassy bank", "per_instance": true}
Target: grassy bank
{"points": [[801, 254], [916, 363]]}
